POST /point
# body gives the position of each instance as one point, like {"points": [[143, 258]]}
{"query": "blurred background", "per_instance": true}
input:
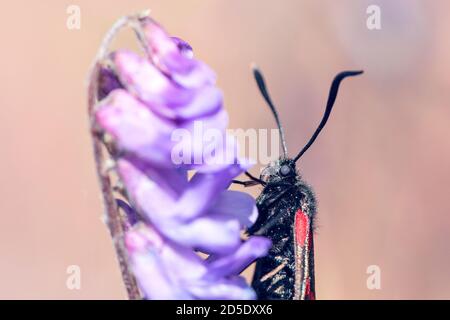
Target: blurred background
{"points": [[381, 167]]}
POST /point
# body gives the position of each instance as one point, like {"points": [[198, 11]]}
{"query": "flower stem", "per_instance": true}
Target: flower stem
{"points": [[113, 217], [114, 220]]}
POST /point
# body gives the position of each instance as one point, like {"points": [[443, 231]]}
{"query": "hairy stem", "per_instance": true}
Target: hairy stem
{"points": [[113, 217], [114, 220]]}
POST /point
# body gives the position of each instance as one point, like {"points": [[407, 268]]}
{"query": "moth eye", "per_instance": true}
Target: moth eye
{"points": [[285, 170]]}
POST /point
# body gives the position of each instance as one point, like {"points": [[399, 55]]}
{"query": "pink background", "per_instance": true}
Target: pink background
{"points": [[380, 169]]}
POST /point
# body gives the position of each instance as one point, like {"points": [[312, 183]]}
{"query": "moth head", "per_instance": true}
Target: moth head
{"points": [[283, 169]]}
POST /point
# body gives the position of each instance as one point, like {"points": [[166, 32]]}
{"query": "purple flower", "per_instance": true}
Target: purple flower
{"points": [[142, 102], [199, 213], [167, 270]]}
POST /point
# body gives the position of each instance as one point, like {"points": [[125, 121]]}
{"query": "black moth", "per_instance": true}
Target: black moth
{"points": [[287, 208]]}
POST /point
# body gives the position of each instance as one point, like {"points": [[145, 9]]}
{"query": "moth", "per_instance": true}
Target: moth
{"points": [[287, 211]]}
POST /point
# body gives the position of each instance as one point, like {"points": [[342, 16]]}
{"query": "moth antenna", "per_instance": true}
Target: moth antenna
{"points": [[265, 93], [331, 99]]}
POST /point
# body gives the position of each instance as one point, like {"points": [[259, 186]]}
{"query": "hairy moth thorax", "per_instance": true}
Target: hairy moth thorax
{"points": [[286, 214]]}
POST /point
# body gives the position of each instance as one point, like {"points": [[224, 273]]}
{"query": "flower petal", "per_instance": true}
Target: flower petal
{"points": [[203, 145], [250, 250], [184, 47], [144, 80], [207, 100], [224, 289], [149, 270], [238, 205], [177, 266], [135, 128], [107, 82], [156, 202], [207, 234], [172, 179], [204, 188], [160, 93], [173, 60], [161, 206]]}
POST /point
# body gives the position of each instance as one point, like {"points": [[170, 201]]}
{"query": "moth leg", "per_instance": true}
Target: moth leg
{"points": [[270, 274], [274, 219], [248, 174], [270, 223], [248, 183], [281, 245]]}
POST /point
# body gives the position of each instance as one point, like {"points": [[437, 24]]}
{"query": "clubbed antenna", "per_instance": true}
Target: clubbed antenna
{"points": [[262, 87], [331, 99]]}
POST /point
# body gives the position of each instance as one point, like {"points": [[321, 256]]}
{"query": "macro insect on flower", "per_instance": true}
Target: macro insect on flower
{"points": [[165, 218], [158, 217]]}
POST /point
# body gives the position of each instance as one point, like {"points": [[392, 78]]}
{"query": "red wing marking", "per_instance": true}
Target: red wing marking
{"points": [[301, 227], [309, 295], [303, 247]]}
